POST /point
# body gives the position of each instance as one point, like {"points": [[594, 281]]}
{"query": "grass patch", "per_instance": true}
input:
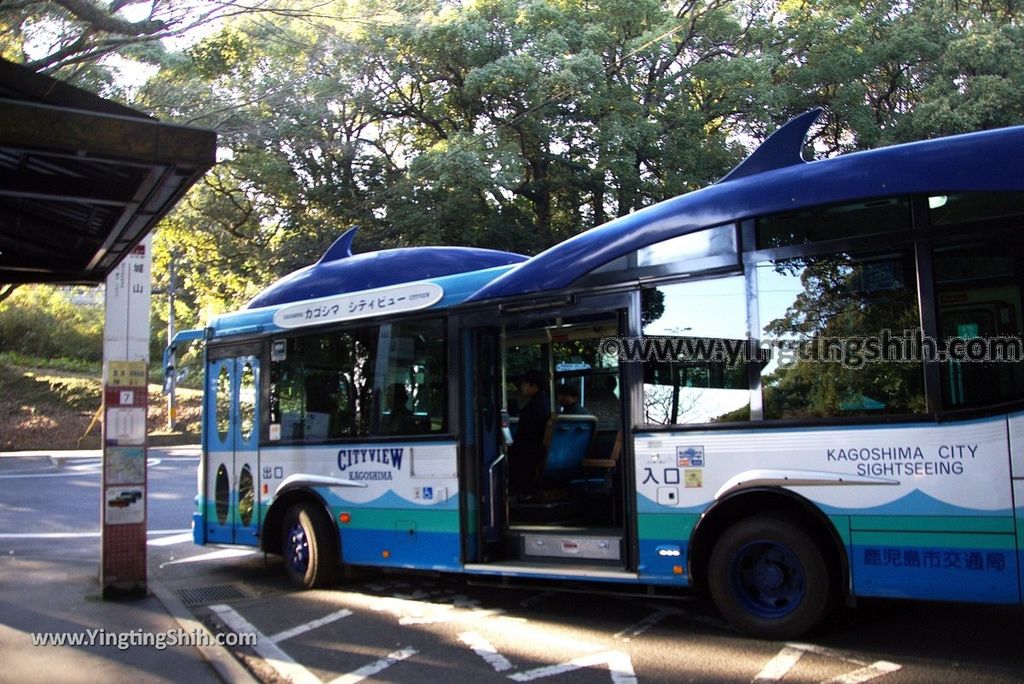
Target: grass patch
{"points": [[44, 388], [61, 363], [47, 406]]}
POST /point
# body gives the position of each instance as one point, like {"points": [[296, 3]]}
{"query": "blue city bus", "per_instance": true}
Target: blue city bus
{"points": [[800, 385]]}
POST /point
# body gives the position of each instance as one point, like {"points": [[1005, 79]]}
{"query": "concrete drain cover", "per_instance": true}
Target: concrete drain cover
{"points": [[197, 596]]}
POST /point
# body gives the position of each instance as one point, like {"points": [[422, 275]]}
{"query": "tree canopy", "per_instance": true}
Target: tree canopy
{"points": [[500, 123]]}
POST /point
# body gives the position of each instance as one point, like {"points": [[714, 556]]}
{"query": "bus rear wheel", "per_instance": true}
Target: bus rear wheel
{"points": [[309, 547], [768, 578]]}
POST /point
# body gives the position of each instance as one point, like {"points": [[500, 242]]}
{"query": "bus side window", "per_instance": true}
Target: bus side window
{"points": [[696, 370], [320, 386], [411, 379]]}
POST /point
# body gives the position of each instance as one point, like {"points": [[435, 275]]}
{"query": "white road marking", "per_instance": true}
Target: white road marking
{"points": [[282, 663], [49, 535], [213, 555], [829, 652], [877, 669], [639, 628], [780, 665], [310, 626], [619, 666], [524, 631], [486, 650], [285, 665], [171, 540], [91, 464], [410, 611], [374, 668]]}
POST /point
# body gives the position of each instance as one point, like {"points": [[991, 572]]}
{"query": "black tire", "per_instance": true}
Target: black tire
{"points": [[309, 546], [768, 577]]}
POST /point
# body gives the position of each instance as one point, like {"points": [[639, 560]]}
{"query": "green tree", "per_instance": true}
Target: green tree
{"points": [[888, 73], [41, 321], [502, 123]]}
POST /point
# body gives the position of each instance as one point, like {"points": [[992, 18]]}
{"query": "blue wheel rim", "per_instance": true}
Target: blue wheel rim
{"points": [[768, 579], [297, 553]]}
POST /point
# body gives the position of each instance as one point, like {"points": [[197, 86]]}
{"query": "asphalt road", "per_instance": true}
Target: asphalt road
{"points": [[428, 628]]}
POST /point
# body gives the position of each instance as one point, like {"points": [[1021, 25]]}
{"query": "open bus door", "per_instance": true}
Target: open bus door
{"points": [[489, 419], [230, 493], [579, 513]]}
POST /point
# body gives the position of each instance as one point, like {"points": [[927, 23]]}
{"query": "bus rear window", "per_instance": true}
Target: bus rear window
{"points": [[981, 322], [973, 206], [841, 329]]}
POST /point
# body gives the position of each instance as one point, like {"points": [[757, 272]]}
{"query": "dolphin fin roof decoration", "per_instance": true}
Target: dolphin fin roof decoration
{"points": [[339, 271], [782, 148], [342, 247]]}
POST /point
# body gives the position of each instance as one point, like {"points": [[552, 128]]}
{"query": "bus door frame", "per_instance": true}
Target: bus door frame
{"points": [[479, 409], [484, 409], [235, 451]]}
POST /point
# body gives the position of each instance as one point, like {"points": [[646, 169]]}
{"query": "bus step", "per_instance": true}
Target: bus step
{"points": [[538, 545]]}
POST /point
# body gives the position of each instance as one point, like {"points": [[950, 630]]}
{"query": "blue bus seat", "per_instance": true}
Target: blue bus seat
{"points": [[568, 439]]}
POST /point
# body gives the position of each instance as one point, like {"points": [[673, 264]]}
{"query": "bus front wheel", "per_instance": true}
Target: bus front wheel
{"points": [[768, 578], [309, 547]]}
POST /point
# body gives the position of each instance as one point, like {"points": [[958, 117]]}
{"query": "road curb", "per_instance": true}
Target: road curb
{"points": [[28, 464], [55, 457], [220, 659]]}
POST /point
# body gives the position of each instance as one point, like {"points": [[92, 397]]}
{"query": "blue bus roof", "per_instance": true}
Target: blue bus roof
{"points": [[773, 179], [453, 289]]}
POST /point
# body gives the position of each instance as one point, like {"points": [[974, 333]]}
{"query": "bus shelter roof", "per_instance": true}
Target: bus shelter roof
{"points": [[82, 179]]}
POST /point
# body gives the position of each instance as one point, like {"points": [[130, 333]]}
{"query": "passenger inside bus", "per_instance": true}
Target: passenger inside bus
{"points": [[568, 398], [526, 454], [603, 403], [322, 394], [400, 420]]}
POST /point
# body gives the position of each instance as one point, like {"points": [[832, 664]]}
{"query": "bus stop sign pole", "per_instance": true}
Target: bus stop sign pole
{"points": [[125, 375]]}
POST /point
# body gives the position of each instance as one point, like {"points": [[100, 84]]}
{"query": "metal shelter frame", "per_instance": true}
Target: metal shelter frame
{"points": [[82, 179]]}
